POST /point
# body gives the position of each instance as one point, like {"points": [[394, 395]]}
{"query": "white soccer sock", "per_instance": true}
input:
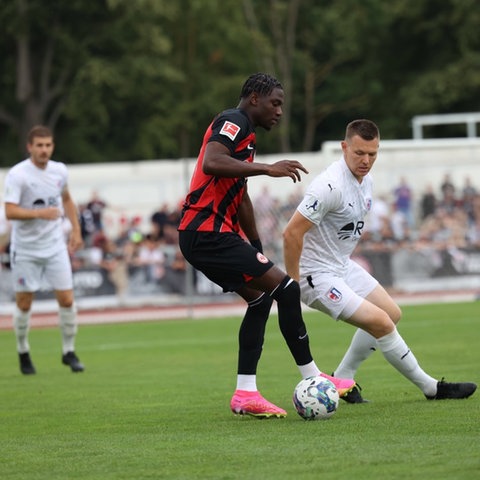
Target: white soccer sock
{"points": [[362, 346], [68, 327], [309, 370], [247, 382], [21, 325], [396, 351]]}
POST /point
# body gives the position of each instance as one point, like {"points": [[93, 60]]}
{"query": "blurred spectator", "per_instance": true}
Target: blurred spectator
{"points": [[174, 280], [158, 221], [267, 208], [124, 232], [151, 258], [473, 234], [87, 225], [403, 201], [449, 202], [447, 187], [469, 193], [377, 218], [445, 228], [96, 206], [428, 202], [399, 224], [91, 219], [264, 202], [170, 232], [386, 233], [133, 231], [107, 255], [291, 204]]}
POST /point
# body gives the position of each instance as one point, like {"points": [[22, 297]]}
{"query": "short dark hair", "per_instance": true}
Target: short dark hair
{"points": [[365, 129], [260, 83], [39, 131]]}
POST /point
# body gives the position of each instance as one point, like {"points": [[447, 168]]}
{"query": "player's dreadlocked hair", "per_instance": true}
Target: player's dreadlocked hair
{"points": [[365, 129], [260, 83]]}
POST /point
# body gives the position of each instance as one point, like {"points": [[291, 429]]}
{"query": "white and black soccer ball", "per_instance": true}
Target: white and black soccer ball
{"points": [[315, 398]]}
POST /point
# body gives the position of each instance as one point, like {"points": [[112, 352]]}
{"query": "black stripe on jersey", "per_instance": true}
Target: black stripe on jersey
{"points": [[196, 195], [226, 202], [207, 211], [200, 217], [193, 199]]}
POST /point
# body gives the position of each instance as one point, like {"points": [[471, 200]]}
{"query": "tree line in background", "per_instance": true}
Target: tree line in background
{"points": [[123, 80]]}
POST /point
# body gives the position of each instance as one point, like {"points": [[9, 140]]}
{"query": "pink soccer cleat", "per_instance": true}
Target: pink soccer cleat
{"points": [[252, 403], [342, 385]]}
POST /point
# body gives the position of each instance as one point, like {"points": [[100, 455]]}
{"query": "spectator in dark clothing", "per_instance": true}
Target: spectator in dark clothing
{"points": [[96, 206], [428, 202]]}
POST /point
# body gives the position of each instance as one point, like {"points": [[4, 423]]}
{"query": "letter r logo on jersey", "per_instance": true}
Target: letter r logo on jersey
{"points": [[230, 130]]}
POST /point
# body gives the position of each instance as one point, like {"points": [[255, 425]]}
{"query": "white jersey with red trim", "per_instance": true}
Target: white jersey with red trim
{"points": [[336, 203]]}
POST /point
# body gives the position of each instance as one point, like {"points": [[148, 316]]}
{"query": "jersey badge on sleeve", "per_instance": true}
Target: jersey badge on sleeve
{"points": [[334, 295], [262, 258], [230, 130]]}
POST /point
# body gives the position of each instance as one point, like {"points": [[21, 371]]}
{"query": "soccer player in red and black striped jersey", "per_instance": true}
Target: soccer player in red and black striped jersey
{"points": [[216, 216]]}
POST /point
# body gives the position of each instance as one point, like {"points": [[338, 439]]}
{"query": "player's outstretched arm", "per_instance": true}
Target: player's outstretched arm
{"points": [[218, 162]]}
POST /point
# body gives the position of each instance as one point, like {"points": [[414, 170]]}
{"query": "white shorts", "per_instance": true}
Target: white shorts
{"points": [[336, 296], [31, 273]]}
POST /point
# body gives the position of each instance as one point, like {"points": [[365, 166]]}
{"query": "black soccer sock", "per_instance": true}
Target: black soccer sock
{"points": [[251, 334], [290, 319]]}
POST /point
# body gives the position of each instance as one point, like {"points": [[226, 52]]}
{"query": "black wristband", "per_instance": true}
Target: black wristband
{"points": [[257, 244]]}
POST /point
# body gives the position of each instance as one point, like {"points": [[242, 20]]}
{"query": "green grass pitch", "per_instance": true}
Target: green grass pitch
{"points": [[153, 403]]}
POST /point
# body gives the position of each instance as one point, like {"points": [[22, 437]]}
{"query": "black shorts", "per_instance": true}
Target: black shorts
{"points": [[225, 258]]}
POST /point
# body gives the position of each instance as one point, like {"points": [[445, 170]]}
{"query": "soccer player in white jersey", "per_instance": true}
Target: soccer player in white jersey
{"points": [[318, 242], [36, 200]]}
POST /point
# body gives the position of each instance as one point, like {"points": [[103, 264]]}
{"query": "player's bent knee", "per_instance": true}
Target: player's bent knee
{"points": [[287, 292], [382, 328], [261, 304], [25, 307], [396, 315]]}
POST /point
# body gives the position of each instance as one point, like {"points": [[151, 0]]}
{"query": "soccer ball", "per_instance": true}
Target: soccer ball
{"points": [[315, 398]]}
